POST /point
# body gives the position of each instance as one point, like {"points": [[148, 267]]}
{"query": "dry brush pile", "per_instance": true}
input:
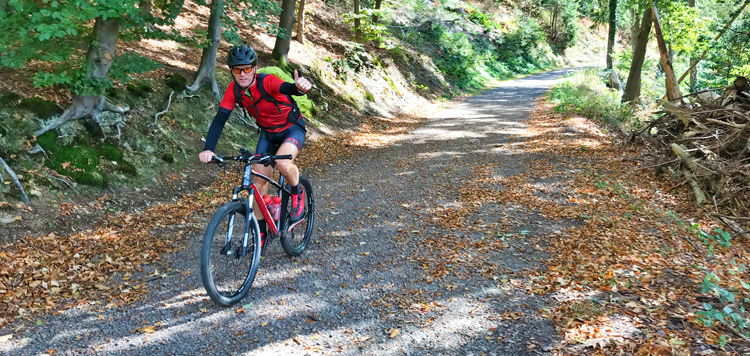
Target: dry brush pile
{"points": [[709, 144]]}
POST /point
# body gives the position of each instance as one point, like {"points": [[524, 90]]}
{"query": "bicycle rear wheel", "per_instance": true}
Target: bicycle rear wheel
{"points": [[226, 272], [295, 238]]}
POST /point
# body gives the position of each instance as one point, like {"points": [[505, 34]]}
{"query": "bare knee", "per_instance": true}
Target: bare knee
{"points": [[285, 166], [261, 184]]}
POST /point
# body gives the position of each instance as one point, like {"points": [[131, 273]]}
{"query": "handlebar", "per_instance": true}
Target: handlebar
{"points": [[247, 157]]}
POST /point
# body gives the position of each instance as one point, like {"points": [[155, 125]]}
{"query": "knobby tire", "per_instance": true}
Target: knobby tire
{"points": [[295, 241], [229, 292]]}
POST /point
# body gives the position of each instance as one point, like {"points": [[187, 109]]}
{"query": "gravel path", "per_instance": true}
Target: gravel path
{"points": [[383, 276]]}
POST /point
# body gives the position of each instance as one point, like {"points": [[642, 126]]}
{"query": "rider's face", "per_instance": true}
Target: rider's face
{"points": [[245, 76]]}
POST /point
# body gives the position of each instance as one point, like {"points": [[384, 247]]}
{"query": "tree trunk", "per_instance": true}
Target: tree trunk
{"points": [[612, 31], [284, 38], [378, 4], [693, 60], [633, 85], [635, 28], [99, 59], [146, 7], [207, 70], [673, 89], [301, 22], [357, 23]]}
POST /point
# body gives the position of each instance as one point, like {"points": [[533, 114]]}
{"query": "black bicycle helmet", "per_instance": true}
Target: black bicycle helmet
{"points": [[241, 55]]}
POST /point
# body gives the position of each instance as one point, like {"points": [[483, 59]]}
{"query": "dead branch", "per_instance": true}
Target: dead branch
{"points": [[169, 102]]}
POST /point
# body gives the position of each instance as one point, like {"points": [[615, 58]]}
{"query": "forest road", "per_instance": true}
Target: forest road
{"points": [[405, 260]]}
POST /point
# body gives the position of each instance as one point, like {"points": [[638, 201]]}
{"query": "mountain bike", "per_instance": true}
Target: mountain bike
{"points": [[232, 245]]}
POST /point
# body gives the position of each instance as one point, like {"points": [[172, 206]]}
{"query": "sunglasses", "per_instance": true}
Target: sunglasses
{"points": [[240, 70]]}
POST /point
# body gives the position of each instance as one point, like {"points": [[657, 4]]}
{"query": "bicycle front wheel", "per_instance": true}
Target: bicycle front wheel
{"points": [[228, 271], [296, 237]]}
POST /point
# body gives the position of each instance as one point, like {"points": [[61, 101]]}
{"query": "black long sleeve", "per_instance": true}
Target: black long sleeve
{"points": [[216, 127], [290, 89]]}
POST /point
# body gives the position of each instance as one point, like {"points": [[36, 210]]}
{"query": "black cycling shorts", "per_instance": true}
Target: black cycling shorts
{"points": [[270, 142]]}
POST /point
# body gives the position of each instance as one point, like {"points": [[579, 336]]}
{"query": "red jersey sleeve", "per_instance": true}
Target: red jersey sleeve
{"points": [[272, 84], [228, 101]]}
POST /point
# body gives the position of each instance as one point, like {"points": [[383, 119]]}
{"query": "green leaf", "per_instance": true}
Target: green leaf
{"points": [[676, 341]]}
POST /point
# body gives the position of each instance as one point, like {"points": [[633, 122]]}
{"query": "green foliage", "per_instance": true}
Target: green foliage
{"points": [[261, 14], [59, 32], [355, 59], [130, 63], [562, 28], [730, 312], [727, 58], [370, 31], [476, 16], [721, 238], [684, 29], [521, 48], [585, 94], [468, 62]]}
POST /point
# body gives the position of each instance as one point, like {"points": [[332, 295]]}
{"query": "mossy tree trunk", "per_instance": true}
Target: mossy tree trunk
{"points": [[635, 27], [207, 70], [99, 59], [612, 31], [633, 85], [301, 22], [284, 38]]}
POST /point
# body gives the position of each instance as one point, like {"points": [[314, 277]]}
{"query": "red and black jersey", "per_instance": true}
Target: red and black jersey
{"points": [[266, 113]]}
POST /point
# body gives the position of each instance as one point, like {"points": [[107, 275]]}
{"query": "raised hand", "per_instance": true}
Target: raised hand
{"points": [[302, 84]]}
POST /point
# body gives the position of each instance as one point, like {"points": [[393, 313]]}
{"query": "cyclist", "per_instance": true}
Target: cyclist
{"points": [[282, 127]]}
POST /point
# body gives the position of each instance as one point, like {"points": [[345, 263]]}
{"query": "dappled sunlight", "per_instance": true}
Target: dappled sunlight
{"points": [[602, 332], [425, 135], [151, 46]]}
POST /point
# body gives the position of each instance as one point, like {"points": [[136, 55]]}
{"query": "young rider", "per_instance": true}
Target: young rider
{"points": [[282, 127]]}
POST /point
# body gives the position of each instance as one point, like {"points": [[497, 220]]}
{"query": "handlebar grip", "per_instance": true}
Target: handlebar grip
{"points": [[218, 160]]}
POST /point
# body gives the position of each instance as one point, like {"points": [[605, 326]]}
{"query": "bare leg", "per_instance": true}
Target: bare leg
{"points": [[286, 167], [262, 186]]}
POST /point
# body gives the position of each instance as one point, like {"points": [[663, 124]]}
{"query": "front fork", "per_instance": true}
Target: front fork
{"points": [[227, 250]]}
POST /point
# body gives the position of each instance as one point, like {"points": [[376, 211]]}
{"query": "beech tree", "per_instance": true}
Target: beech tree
{"points": [[284, 36], [82, 57], [612, 31], [633, 86], [255, 13]]}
